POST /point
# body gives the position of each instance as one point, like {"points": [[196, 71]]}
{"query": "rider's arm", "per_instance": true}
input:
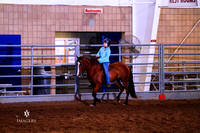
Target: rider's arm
{"points": [[106, 57], [99, 53]]}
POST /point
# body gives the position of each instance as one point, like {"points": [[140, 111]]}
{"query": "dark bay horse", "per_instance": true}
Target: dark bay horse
{"points": [[118, 72]]}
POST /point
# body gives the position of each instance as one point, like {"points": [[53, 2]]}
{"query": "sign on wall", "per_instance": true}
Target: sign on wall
{"points": [[65, 50], [93, 10], [60, 51], [182, 3]]}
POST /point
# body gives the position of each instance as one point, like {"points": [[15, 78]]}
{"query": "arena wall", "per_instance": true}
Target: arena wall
{"points": [[37, 25], [174, 25]]}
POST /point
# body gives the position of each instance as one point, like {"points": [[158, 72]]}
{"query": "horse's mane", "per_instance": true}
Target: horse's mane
{"points": [[93, 60]]}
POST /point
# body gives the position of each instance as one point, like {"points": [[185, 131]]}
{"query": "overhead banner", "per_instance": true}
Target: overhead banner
{"points": [[182, 3]]}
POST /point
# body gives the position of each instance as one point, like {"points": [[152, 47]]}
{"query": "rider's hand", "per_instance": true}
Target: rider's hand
{"points": [[97, 57]]}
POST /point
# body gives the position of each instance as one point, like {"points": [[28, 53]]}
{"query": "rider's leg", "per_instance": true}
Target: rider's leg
{"points": [[106, 66]]}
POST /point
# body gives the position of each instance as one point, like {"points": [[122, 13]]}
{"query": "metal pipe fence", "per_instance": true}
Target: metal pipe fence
{"points": [[159, 68], [182, 74], [32, 65]]}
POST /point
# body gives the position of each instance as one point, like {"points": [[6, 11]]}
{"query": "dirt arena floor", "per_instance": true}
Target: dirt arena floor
{"points": [[138, 117]]}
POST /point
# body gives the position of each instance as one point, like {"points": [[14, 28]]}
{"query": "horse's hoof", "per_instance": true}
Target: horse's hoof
{"points": [[136, 97], [125, 103], [77, 98], [118, 101], [92, 105], [99, 101]]}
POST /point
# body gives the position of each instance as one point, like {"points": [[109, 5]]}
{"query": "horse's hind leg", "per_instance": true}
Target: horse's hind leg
{"points": [[127, 93], [120, 86], [95, 98]]}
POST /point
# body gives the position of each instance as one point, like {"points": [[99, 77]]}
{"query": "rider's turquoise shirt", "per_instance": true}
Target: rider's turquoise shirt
{"points": [[104, 54]]}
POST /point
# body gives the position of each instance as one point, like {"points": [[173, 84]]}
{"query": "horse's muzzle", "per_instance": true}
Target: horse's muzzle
{"points": [[79, 75]]}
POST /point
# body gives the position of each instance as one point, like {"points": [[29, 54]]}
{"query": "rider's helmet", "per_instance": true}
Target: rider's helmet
{"points": [[108, 41]]}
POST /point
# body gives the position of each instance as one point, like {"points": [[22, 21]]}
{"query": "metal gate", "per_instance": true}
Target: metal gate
{"points": [[164, 73]]}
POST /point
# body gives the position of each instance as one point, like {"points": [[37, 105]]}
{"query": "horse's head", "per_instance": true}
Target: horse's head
{"points": [[80, 66]]}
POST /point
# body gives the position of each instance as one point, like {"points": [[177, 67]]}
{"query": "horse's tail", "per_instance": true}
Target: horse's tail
{"points": [[131, 86]]}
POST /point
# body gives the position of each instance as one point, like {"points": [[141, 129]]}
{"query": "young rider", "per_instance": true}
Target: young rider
{"points": [[104, 54]]}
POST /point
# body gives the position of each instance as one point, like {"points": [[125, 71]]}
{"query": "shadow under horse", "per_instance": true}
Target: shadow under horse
{"points": [[119, 73]]}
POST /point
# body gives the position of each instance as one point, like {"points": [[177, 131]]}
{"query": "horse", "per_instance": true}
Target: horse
{"points": [[118, 72]]}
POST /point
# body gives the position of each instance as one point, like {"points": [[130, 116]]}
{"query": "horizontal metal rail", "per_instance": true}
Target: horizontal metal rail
{"points": [[182, 72], [68, 65], [183, 63], [37, 56], [182, 54], [154, 82], [98, 45], [49, 75], [34, 46], [142, 63], [81, 45], [120, 45], [57, 85], [181, 44], [182, 67], [37, 65], [184, 81], [147, 73], [123, 54]]}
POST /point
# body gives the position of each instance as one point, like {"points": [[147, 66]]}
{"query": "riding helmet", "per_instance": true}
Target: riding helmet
{"points": [[108, 41]]}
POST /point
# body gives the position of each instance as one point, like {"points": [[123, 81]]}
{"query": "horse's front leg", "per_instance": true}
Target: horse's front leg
{"points": [[94, 93]]}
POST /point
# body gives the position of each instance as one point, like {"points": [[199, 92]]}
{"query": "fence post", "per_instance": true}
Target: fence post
{"points": [[31, 70], [161, 72], [120, 52], [76, 77]]}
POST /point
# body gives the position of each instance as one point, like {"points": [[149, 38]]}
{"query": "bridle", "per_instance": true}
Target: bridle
{"points": [[83, 68]]}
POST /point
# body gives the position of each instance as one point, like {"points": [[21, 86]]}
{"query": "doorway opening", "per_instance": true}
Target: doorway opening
{"points": [[85, 38]]}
